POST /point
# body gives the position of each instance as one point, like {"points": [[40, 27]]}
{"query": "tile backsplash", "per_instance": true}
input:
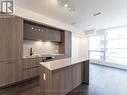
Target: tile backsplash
{"points": [[40, 47]]}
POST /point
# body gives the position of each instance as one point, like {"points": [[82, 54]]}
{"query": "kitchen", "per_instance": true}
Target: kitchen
{"points": [[63, 47], [25, 44]]}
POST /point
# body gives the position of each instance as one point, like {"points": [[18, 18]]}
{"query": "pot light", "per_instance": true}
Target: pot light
{"points": [[32, 28], [39, 30], [69, 8], [66, 5]]}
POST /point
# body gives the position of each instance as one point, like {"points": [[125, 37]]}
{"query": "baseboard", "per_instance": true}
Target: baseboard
{"points": [[117, 66]]}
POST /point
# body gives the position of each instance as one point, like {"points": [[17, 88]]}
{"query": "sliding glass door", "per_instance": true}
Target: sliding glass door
{"points": [[110, 47]]}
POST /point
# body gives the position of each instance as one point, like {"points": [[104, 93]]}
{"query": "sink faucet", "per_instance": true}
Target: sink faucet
{"points": [[31, 52]]}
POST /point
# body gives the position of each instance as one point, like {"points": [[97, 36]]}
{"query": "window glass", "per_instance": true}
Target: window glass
{"points": [[116, 47], [96, 47], [110, 47]]}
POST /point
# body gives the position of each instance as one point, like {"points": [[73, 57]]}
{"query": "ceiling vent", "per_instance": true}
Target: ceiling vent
{"points": [[97, 14]]}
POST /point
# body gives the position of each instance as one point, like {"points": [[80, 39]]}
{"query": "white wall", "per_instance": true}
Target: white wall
{"points": [[75, 46], [84, 45], [79, 46], [28, 14]]}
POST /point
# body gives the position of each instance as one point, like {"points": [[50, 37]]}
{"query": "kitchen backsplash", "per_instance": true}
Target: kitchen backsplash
{"points": [[40, 47]]}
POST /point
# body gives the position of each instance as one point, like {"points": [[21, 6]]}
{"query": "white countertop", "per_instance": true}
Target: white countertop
{"points": [[43, 55], [57, 64]]}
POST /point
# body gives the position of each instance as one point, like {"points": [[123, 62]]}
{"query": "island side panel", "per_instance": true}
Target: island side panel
{"points": [[45, 81], [85, 72], [66, 79], [63, 80]]}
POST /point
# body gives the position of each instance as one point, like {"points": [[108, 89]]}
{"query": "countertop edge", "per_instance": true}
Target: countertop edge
{"points": [[49, 65]]}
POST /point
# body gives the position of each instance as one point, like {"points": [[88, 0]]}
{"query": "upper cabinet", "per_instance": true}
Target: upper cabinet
{"points": [[53, 35], [11, 38], [65, 45], [32, 32], [39, 32]]}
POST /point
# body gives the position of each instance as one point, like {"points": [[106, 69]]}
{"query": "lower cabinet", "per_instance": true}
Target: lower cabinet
{"points": [[19, 70], [30, 73], [10, 72], [30, 68]]}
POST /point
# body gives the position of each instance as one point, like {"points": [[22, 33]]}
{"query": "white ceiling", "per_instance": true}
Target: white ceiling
{"points": [[114, 12]]}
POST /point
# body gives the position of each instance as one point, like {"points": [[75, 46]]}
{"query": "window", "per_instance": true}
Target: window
{"points": [[96, 47], [110, 47], [116, 47]]}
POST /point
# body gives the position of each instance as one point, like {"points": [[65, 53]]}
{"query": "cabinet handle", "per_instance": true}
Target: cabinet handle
{"points": [[44, 76]]}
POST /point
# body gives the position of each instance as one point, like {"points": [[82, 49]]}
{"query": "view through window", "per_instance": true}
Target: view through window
{"points": [[109, 47], [96, 47]]}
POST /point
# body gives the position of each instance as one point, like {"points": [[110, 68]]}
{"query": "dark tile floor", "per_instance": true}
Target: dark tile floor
{"points": [[103, 81], [27, 88]]}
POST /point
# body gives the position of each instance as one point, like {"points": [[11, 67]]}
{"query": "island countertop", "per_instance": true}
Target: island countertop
{"points": [[57, 64]]}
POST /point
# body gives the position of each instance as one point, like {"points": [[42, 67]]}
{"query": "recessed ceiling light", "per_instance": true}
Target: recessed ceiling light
{"points": [[66, 5], [32, 28], [69, 8]]}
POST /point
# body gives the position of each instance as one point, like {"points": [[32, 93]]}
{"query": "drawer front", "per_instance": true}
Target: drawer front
{"points": [[30, 63], [30, 73]]}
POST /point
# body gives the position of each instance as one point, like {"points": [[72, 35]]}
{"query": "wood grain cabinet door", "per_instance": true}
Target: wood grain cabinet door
{"points": [[65, 45], [30, 68], [3, 38], [11, 38], [68, 44], [30, 63], [30, 32], [53, 35], [30, 73], [10, 72], [33, 32], [16, 39]]}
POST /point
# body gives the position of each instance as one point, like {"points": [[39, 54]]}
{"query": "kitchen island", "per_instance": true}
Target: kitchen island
{"points": [[59, 77]]}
